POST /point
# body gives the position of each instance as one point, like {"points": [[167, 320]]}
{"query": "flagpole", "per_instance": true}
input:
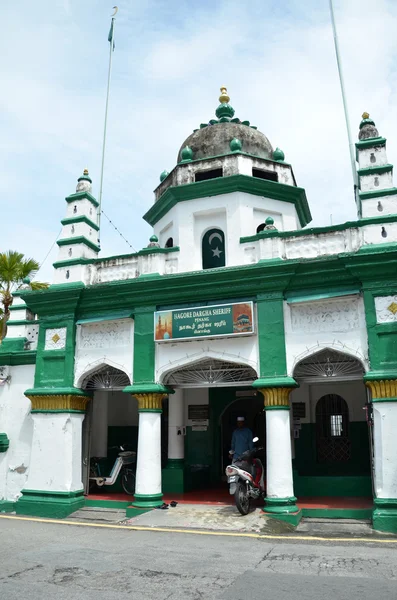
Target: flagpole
{"points": [[111, 48], [346, 111]]}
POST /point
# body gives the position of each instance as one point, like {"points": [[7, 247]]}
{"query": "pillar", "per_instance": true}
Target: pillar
{"points": [[174, 473], [148, 492], [54, 485], [280, 499], [384, 403], [176, 422]]}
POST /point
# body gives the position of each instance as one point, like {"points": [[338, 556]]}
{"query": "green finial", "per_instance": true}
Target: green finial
{"points": [[186, 154], [224, 112], [163, 175], [278, 155], [26, 280], [269, 221], [85, 176], [154, 238], [235, 145]]}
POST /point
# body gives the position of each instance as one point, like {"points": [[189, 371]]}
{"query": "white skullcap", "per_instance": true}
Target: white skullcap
{"points": [[240, 419]]}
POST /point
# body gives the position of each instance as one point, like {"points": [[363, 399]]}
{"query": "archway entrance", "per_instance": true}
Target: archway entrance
{"points": [[210, 386], [331, 430]]}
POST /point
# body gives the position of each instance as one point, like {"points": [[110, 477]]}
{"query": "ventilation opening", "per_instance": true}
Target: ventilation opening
{"points": [[212, 174], [269, 175], [169, 243]]}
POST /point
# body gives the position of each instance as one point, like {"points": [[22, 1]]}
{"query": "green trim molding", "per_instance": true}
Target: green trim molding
{"points": [[369, 143], [22, 322], [384, 517], [226, 185], [13, 359], [378, 194], [82, 196], [19, 307], [56, 505], [375, 170], [72, 262], [7, 506], [147, 500], [4, 442], [80, 219], [80, 239]]}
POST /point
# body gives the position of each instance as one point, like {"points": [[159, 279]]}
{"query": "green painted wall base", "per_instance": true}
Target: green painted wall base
{"points": [[131, 511], [107, 503], [291, 518], [337, 513], [6, 506], [55, 505], [384, 517], [336, 486], [147, 500], [281, 506], [173, 479]]}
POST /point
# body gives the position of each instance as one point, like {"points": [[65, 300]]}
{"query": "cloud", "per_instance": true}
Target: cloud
{"points": [[277, 60]]}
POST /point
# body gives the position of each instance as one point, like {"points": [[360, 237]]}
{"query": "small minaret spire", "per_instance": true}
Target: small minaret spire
{"points": [[377, 194], [78, 240]]}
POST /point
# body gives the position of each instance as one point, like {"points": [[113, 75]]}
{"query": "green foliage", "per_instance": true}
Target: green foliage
{"points": [[14, 268]]}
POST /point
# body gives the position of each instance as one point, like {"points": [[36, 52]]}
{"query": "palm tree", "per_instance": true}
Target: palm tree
{"points": [[14, 268]]}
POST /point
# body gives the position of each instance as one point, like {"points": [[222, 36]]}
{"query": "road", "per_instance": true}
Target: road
{"points": [[40, 560]]}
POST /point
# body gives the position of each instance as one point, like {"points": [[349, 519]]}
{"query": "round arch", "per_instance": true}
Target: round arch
{"points": [[328, 363]]}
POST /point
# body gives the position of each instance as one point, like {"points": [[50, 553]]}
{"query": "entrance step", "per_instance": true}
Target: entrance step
{"points": [[334, 528], [98, 515]]}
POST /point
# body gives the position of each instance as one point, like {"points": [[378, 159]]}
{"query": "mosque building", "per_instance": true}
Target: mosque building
{"points": [[235, 308]]}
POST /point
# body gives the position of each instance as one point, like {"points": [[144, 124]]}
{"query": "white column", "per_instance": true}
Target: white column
{"points": [[278, 454], [148, 472], [55, 461], [385, 449], [176, 423], [279, 481]]}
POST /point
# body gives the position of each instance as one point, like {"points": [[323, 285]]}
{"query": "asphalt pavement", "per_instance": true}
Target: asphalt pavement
{"points": [[40, 560]]}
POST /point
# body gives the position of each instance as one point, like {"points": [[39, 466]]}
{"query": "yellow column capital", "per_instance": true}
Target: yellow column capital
{"points": [[383, 389], [59, 403], [276, 397], [150, 402]]}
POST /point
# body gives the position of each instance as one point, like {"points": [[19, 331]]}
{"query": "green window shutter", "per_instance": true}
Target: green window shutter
{"points": [[213, 249]]}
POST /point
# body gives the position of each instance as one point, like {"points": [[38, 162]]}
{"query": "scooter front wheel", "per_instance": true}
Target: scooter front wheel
{"points": [[241, 498], [128, 482]]}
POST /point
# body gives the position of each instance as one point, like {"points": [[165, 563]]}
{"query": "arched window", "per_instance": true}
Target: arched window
{"points": [[332, 429], [213, 249], [260, 227], [169, 243]]}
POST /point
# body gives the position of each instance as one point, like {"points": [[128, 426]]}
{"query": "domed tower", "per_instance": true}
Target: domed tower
{"points": [[228, 183], [377, 193]]}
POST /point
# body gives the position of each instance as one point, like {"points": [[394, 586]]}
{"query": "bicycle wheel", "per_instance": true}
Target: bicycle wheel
{"points": [[128, 482]]}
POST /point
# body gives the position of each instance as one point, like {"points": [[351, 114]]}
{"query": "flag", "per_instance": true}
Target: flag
{"points": [[110, 36]]}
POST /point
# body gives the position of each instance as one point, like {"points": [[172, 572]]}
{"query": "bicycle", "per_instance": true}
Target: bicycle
{"points": [[122, 463]]}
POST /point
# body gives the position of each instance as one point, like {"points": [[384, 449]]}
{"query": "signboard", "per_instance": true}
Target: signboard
{"points": [[204, 321], [298, 410], [198, 412]]}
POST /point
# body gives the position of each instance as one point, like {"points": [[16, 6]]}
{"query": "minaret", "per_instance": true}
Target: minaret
{"points": [[377, 194], [78, 242]]}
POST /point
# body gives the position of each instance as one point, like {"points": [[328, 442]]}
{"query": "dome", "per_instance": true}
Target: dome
{"points": [[214, 138]]}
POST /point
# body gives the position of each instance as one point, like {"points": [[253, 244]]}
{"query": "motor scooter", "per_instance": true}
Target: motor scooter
{"points": [[246, 479]]}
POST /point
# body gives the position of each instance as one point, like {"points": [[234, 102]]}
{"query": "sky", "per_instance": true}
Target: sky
{"points": [[277, 60]]}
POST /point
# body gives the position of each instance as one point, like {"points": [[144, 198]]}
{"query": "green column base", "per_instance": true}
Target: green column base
{"points": [[56, 505], [384, 517], [7, 506], [147, 500], [173, 476], [283, 509]]}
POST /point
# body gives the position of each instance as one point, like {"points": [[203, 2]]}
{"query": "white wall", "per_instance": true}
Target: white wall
{"points": [[17, 423], [337, 323]]}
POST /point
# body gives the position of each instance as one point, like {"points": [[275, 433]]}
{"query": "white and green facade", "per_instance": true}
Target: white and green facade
{"points": [[235, 307]]}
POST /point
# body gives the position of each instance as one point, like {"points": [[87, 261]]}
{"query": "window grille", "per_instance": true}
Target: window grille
{"points": [[332, 429]]}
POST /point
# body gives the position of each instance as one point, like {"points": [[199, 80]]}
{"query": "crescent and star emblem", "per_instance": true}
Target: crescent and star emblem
{"points": [[115, 11], [215, 251]]}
